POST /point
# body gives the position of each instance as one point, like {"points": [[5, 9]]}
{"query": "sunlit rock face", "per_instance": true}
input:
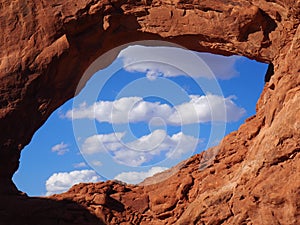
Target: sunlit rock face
{"points": [[45, 49]]}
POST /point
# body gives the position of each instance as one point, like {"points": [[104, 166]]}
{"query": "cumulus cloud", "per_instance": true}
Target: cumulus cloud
{"points": [[143, 149], [172, 62], [98, 143], [199, 109], [61, 182], [137, 177], [60, 149], [105, 111]]}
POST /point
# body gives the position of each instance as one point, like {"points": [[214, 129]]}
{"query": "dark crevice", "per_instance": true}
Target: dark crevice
{"points": [[259, 169], [164, 215], [171, 14], [56, 5], [117, 6], [261, 21], [287, 157], [209, 9], [256, 198], [115, 205], [269, 73], [269, 25], [224, 220], [278, 17], [187, 187]]}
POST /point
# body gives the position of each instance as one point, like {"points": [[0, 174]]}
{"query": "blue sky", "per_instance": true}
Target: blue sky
{"points": [[150, 109]]}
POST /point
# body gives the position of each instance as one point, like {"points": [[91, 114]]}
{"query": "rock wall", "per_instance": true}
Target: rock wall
{"points": [[46, 47]]}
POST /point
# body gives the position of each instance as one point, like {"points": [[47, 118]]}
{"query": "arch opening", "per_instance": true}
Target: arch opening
{"points": [[142, 89]]}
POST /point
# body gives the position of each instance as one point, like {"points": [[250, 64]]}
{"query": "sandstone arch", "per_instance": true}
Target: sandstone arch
{"points": [[46, 46]]}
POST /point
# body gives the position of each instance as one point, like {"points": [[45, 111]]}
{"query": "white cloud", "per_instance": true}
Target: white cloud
{"points": [[61, 182], [80, 165], [60, 149], [95, 144], [172, 62], [199, 109], [223, 67], [96, 163], [106, 111], [142, 150], [137, 177]]}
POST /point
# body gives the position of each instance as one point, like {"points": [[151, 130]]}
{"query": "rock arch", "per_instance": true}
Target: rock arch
{"points": [[46, 46]]}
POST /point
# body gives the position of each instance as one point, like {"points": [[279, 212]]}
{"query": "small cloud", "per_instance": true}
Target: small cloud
{"points": [[60, 149], [138, 177], [97, 163], [62, 182], [61, 114], [80, 165], [223, 67]]}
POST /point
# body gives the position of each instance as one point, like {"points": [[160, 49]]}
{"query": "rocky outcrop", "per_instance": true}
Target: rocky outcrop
{"points": [[44, 51]]}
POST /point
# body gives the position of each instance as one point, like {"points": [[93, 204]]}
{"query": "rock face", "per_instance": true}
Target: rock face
{"points": [[45, 47]]}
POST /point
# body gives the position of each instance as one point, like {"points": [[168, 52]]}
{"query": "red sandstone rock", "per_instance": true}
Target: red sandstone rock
{"points": [[46, 46]]}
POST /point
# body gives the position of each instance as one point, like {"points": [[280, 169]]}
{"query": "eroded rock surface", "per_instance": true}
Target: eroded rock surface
{"points": [[45, 47]]}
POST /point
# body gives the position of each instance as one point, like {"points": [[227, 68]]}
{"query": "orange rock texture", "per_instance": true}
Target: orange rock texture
{"points": [[45, 47]]}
